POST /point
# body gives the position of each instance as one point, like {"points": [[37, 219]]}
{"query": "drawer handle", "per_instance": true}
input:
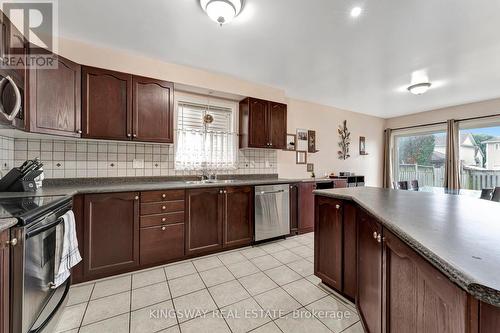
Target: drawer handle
{"points": [[163, 207], [163, 195], [163, 228], [163, 219]]}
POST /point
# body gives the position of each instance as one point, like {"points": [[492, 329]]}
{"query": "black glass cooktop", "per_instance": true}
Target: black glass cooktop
{"points": [[21, 207]]}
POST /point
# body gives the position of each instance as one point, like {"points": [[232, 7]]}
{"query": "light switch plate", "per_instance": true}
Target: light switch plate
{"points": [[138, 164]]}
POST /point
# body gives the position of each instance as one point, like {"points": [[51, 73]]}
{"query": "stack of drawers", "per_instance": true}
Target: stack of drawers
{"points": [[162, 226]]}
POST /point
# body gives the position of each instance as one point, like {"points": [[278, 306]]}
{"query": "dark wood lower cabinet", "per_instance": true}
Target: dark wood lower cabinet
{"points": [[204, 218], [489, 318], [417, 297], [238, 216], [349, 253], [328, 242], [306, 207], [161, 244], [4, 281], [294, 209], [111, 234], [369, 286]]}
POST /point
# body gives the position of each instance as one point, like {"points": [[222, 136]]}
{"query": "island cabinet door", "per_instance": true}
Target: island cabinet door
{"points": [[111, 234], [204, 219], [417, 297], [328, 241], [369, 286], [4, 281], [238, 216]]}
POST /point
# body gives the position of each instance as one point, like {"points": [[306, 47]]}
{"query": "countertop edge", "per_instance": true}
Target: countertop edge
{"points": [[7, 223], [481, 292]]}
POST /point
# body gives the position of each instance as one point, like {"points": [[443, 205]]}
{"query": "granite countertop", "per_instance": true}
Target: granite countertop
{"points": [[459, 235], [7, 223]]}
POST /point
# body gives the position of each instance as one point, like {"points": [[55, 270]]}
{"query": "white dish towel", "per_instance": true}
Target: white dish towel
{"points": [[67, 254]]}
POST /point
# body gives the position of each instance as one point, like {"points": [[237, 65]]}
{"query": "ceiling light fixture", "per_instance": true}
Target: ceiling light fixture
{"points": [[356, 11], [419, 88], [221, 11]]}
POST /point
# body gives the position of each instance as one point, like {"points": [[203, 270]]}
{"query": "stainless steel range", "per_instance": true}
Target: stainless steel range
{"points": [[35, 305]]}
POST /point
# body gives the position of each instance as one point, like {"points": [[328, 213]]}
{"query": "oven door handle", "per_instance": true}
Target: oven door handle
{"points": [[17, 106], [35, 232], [58, 306]]}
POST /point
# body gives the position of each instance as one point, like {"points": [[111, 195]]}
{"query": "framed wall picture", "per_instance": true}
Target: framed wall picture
{"points": [[311, 141], [310, 167], [302, 140], [301, 157], [362, 146], [291, 142]]}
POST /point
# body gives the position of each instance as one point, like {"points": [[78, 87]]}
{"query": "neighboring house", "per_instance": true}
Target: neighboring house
{"points": [[493, 153], [470, 154]]}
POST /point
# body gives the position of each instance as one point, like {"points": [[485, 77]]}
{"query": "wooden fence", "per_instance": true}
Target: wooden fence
{"points": [[474, 179], [426, 175]]}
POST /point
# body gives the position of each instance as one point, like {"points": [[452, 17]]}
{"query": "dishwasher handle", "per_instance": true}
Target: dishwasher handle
{"points": [[269, 192]]}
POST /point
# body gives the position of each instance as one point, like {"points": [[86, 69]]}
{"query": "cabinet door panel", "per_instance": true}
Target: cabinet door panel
{"points": [[204, 218], [419, 298], [294, 208], [277, 125], [106, 104], [328, 242], [153, 110], [369, 290], [258, 123], [306, 207], [111, 234], [55, 99], [238, 224], [162, 244], [4, 281], [350, 269]]}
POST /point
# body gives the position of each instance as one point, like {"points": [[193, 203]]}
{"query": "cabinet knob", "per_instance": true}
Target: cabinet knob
{"points": [[375, 235], [79, 131], [163, 207], [337, 207], [163, 195], [221, 191], [163, 219], [129, 135], [12, 242], [225, 191], [134, 135], [136, 197], [163, 228], [379, 238]]}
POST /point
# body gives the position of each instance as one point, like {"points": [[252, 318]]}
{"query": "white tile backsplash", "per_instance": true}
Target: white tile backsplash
{"points": [[84, 159]]}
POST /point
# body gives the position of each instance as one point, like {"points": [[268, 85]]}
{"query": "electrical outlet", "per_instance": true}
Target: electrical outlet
{"points": [[5, 166], [138, 164]]}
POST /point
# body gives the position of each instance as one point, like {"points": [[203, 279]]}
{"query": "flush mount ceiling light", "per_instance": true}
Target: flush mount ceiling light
{"points": [[419, 88], [356, 12], [221, 11]]}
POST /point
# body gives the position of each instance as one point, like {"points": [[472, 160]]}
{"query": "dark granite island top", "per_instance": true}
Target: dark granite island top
{"points": [[459, 235]]}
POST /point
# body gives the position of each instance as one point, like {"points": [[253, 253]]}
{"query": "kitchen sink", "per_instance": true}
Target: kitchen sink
{"points": [[210, 181]]}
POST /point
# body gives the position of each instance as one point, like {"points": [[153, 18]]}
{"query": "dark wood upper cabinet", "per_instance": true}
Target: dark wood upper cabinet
{"points": [[277, 125], [417, 297], [306, 207], [111, 235], [55, 99], [238, 216], [153, 105], [369, 289], [106, 104], [204, 219], [328, 241], [262, 124], [4, 281]]}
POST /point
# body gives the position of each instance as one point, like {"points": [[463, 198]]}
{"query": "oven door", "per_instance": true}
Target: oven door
{"points": [[35, 304]]}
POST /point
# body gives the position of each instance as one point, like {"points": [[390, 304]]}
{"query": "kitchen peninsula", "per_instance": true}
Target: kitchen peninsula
{"points": [[423, 262]]}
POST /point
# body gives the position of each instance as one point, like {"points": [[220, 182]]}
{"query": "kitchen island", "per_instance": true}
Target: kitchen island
{"points": [[423, 261]]}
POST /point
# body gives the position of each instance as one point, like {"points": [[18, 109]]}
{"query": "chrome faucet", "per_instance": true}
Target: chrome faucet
{"points": [[207, 175]]}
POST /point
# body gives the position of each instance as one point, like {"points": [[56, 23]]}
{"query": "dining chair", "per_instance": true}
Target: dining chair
{"points": [[403, 185], [496, 194], [486, 193], [414, 185]]}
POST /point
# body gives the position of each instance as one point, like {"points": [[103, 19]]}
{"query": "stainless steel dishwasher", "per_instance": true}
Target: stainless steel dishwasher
{"points": [[272, 211]]}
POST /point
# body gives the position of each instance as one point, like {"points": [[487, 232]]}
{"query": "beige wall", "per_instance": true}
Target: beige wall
{"points": [[477, 109], [325, 121]]}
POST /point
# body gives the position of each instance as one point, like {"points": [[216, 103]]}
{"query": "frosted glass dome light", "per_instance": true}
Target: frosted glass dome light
{"points": [[221, 11]]}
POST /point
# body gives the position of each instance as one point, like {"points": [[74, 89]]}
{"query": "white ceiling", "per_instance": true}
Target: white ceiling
{"points": [[313, 49]]}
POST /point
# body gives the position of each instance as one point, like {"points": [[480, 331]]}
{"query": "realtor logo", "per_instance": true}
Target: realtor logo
{"points": [[29, 38]]}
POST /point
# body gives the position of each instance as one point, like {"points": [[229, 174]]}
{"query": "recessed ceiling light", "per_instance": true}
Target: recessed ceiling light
{"points": [[221, 11], [356, 11], [419, 88]]}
